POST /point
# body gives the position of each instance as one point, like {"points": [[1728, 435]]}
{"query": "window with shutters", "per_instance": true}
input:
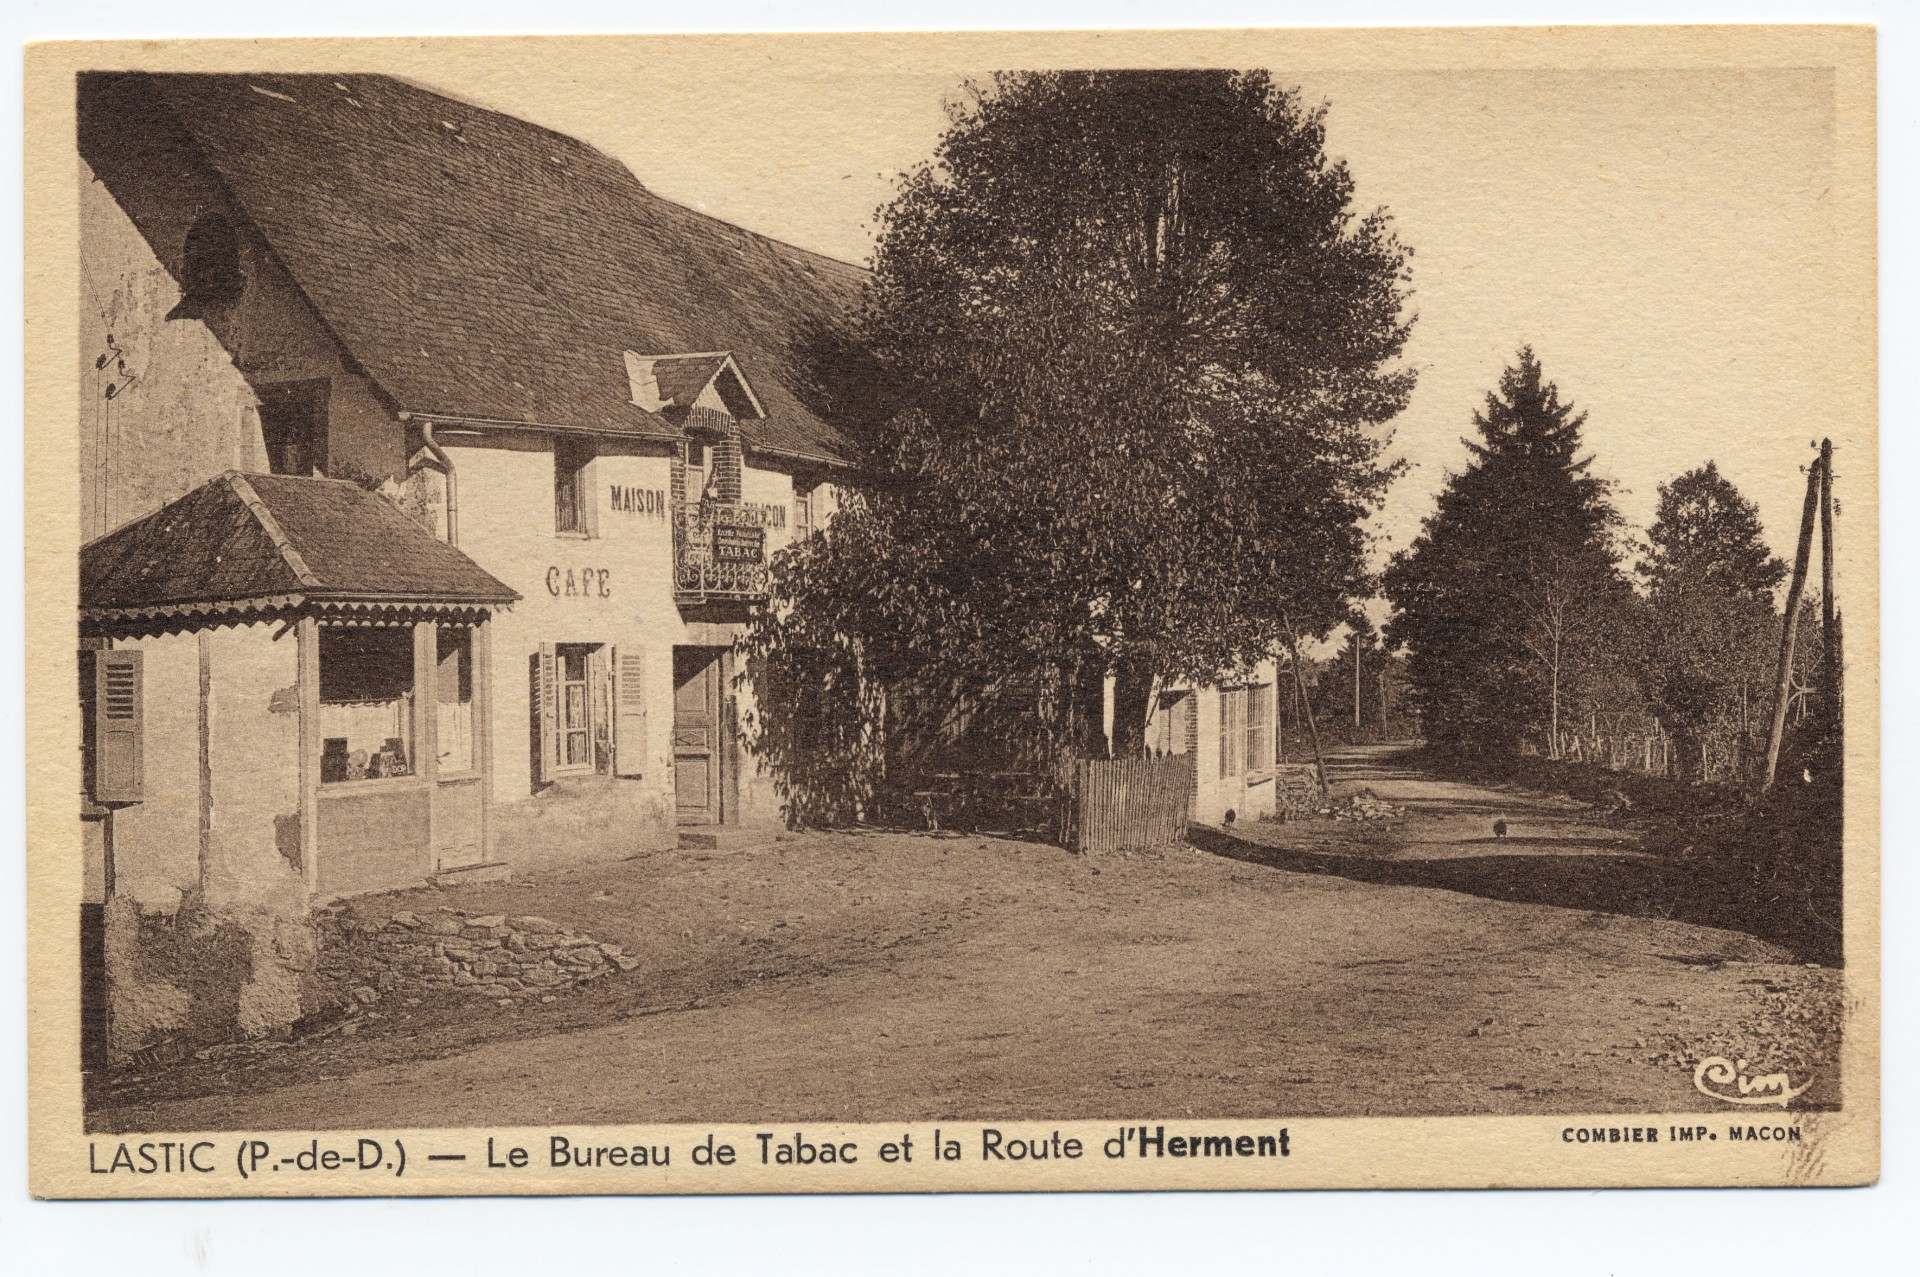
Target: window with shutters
{"points": [[366, 702], [572, 487], [574, 706], [586, 712], [453, 699], [1233, 727], [1259, 727]]}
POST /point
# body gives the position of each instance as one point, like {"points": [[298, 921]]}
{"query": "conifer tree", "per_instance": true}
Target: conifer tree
{"points": [[1511, 602]]}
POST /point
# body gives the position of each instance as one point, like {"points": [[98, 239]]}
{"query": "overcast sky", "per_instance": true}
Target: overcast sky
{"points": [[1660, 237]]}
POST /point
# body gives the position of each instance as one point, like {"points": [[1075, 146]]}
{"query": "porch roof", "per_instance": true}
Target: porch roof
{"points": [[260, 543]]}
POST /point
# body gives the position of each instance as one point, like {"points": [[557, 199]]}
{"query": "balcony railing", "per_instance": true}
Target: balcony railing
{"points": [[719, 552]]}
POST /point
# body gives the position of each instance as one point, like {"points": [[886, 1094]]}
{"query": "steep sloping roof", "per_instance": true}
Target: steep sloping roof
{"points": [[276, 541], [681, 378], [480, 266]]}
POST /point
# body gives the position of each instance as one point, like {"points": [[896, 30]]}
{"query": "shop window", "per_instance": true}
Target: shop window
{"points": [[572, 510], [1233, 728], [453, 700], [1259, 727], [366, 702]]}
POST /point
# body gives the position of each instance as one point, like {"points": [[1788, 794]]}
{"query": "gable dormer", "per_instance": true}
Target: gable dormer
{"points": [[674, 386]]}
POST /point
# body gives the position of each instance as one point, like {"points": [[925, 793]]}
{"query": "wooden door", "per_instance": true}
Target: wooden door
{"points": [[696, 734]]}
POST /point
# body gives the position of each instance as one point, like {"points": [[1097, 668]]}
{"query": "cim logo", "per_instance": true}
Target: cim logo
{"points": [[1727, 1080]]}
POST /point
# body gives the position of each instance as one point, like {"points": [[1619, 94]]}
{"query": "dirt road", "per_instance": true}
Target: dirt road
{"points": [[1311, 968]]}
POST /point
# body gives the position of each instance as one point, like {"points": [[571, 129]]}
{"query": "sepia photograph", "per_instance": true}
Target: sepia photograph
{"points": [[650, 605]]}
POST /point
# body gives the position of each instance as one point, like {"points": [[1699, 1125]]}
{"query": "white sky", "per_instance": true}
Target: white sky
{"points": [[1659, 237]]}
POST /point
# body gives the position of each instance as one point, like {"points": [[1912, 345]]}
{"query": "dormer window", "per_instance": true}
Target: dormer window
{"points": [[211, 277], [674, 386]]}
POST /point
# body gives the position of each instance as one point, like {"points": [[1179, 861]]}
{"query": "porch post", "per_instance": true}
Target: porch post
{"points": [[426, 728], [482, 657], [307, 654]]}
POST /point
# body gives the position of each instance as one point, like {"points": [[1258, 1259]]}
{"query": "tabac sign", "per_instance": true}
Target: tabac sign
{"points": [[733, 543]]}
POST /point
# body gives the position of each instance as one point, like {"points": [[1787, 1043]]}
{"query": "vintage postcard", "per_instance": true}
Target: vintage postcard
{"points": [[918, 612]]}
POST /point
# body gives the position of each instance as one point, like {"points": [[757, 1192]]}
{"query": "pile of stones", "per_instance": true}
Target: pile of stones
{"points": [[1365, 805], [447, 951]]}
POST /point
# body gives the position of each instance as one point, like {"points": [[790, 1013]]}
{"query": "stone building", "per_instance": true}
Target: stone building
{"points": [[284, 684], [507, 443], [494, 344]]}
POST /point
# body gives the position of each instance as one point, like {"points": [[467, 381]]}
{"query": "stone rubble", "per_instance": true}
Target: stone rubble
{"points": [[493, 956], [1365, 805]]}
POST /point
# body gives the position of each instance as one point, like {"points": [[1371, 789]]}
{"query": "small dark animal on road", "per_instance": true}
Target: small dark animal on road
{"points": [[1499, 829], [1226, 821]]}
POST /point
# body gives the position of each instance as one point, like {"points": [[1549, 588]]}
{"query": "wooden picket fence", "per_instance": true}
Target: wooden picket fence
{"points": [[1126, 804], [1647, 752]]}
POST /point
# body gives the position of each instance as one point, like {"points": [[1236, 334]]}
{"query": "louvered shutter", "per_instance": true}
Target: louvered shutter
{"points": [[630, 714], [546, 712], [119, 758]]}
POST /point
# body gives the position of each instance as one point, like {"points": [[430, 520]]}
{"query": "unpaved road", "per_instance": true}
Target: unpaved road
{"points": [[1312, 968]]}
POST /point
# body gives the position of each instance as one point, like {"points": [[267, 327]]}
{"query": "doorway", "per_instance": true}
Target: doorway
{"points": [[697, 735]]}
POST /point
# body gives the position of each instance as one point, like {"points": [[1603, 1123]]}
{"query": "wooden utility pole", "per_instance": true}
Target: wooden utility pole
{"points": [[1383, 697], [1829, 630], [1300, 686], [1783, 680]]}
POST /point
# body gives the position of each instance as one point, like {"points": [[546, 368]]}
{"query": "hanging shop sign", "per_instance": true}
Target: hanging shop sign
{"points": [[735, 544]]}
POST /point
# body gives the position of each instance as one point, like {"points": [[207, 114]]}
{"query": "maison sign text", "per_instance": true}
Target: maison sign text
{"points": [[651, 502]]}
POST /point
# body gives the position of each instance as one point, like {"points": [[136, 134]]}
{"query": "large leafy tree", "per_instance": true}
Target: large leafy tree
{"points": [[1511, 602], [1131, 345], [1710, 580], [1705, 535]]}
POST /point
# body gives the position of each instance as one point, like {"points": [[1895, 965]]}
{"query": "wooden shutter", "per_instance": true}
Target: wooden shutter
{"points": [[629, 714], [546, 691], [119, 759]]}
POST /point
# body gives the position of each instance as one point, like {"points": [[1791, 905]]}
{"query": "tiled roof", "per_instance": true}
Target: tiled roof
{"points": [[279, 540], [681, 378], [477, 265]]}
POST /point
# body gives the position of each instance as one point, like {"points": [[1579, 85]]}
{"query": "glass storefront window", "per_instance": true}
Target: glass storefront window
{"points": [[366, 702]]}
